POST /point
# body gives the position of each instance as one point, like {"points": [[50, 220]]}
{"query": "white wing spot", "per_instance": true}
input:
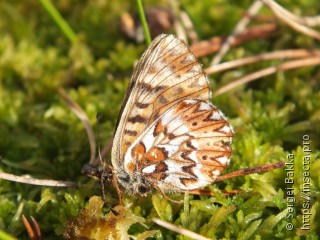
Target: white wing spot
{"points": [[149, 169], [189, 101], [166, 118], [176, 123], [193, 156], [173, 167], [203, 81], [223, 160], [194, 143], [204, 106], [225, 129], [215, 116], [170, 148], [148, 139], [179, 140], [215, 173]]}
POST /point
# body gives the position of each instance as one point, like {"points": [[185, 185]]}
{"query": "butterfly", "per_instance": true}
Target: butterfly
{"points": [[169, 136]]}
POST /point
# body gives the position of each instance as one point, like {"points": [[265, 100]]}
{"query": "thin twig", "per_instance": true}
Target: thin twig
{"points": [[77, 110], [38, 182], [267, 71], [282, 54], [240, 28], [179, 230]]}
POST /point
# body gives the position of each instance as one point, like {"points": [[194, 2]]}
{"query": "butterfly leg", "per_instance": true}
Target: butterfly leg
{"points": [[115, 182], [102, 180], [170, 199]]}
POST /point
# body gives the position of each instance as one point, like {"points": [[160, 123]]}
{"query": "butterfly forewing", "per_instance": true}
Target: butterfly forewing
{"points": [[166, 74]]}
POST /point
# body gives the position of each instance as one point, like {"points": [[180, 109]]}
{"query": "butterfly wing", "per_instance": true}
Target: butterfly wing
{"points": [[184, 149], [166, 74]]}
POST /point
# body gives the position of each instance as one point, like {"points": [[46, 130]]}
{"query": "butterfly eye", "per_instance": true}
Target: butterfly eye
{"points": [[90, 171], [142, 189], [227, 144]]}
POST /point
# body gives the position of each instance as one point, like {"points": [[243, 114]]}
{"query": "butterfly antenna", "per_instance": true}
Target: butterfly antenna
{"points": [[251, 170], [242, 172], [102, 166], [98, 117]]}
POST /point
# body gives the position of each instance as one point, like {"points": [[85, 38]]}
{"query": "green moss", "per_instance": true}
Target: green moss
{"points": [[41, 137]]}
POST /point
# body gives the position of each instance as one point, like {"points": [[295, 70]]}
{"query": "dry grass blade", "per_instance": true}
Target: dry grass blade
{"points": [[178, 26], [263, 31], [179, 230], [36, 227], [28, 227], [38, 182], [240, 28], [192, 34], [312, 21], [290, 53], [180, 31], [293, 21], [76, 109], [308, 21], [310, 61]]}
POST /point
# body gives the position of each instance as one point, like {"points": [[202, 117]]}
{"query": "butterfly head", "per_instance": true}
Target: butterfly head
{"points": [[97, 172]]}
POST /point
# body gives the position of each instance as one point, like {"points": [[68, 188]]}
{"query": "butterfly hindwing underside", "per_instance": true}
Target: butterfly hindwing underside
{"points": [[169, 135]]}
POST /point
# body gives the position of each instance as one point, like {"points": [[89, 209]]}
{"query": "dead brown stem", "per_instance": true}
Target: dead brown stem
{"points": [[77, 110], [212, 45], [179, 230], [240, 28], [310, 61], [34, 181], [282, 54]]}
